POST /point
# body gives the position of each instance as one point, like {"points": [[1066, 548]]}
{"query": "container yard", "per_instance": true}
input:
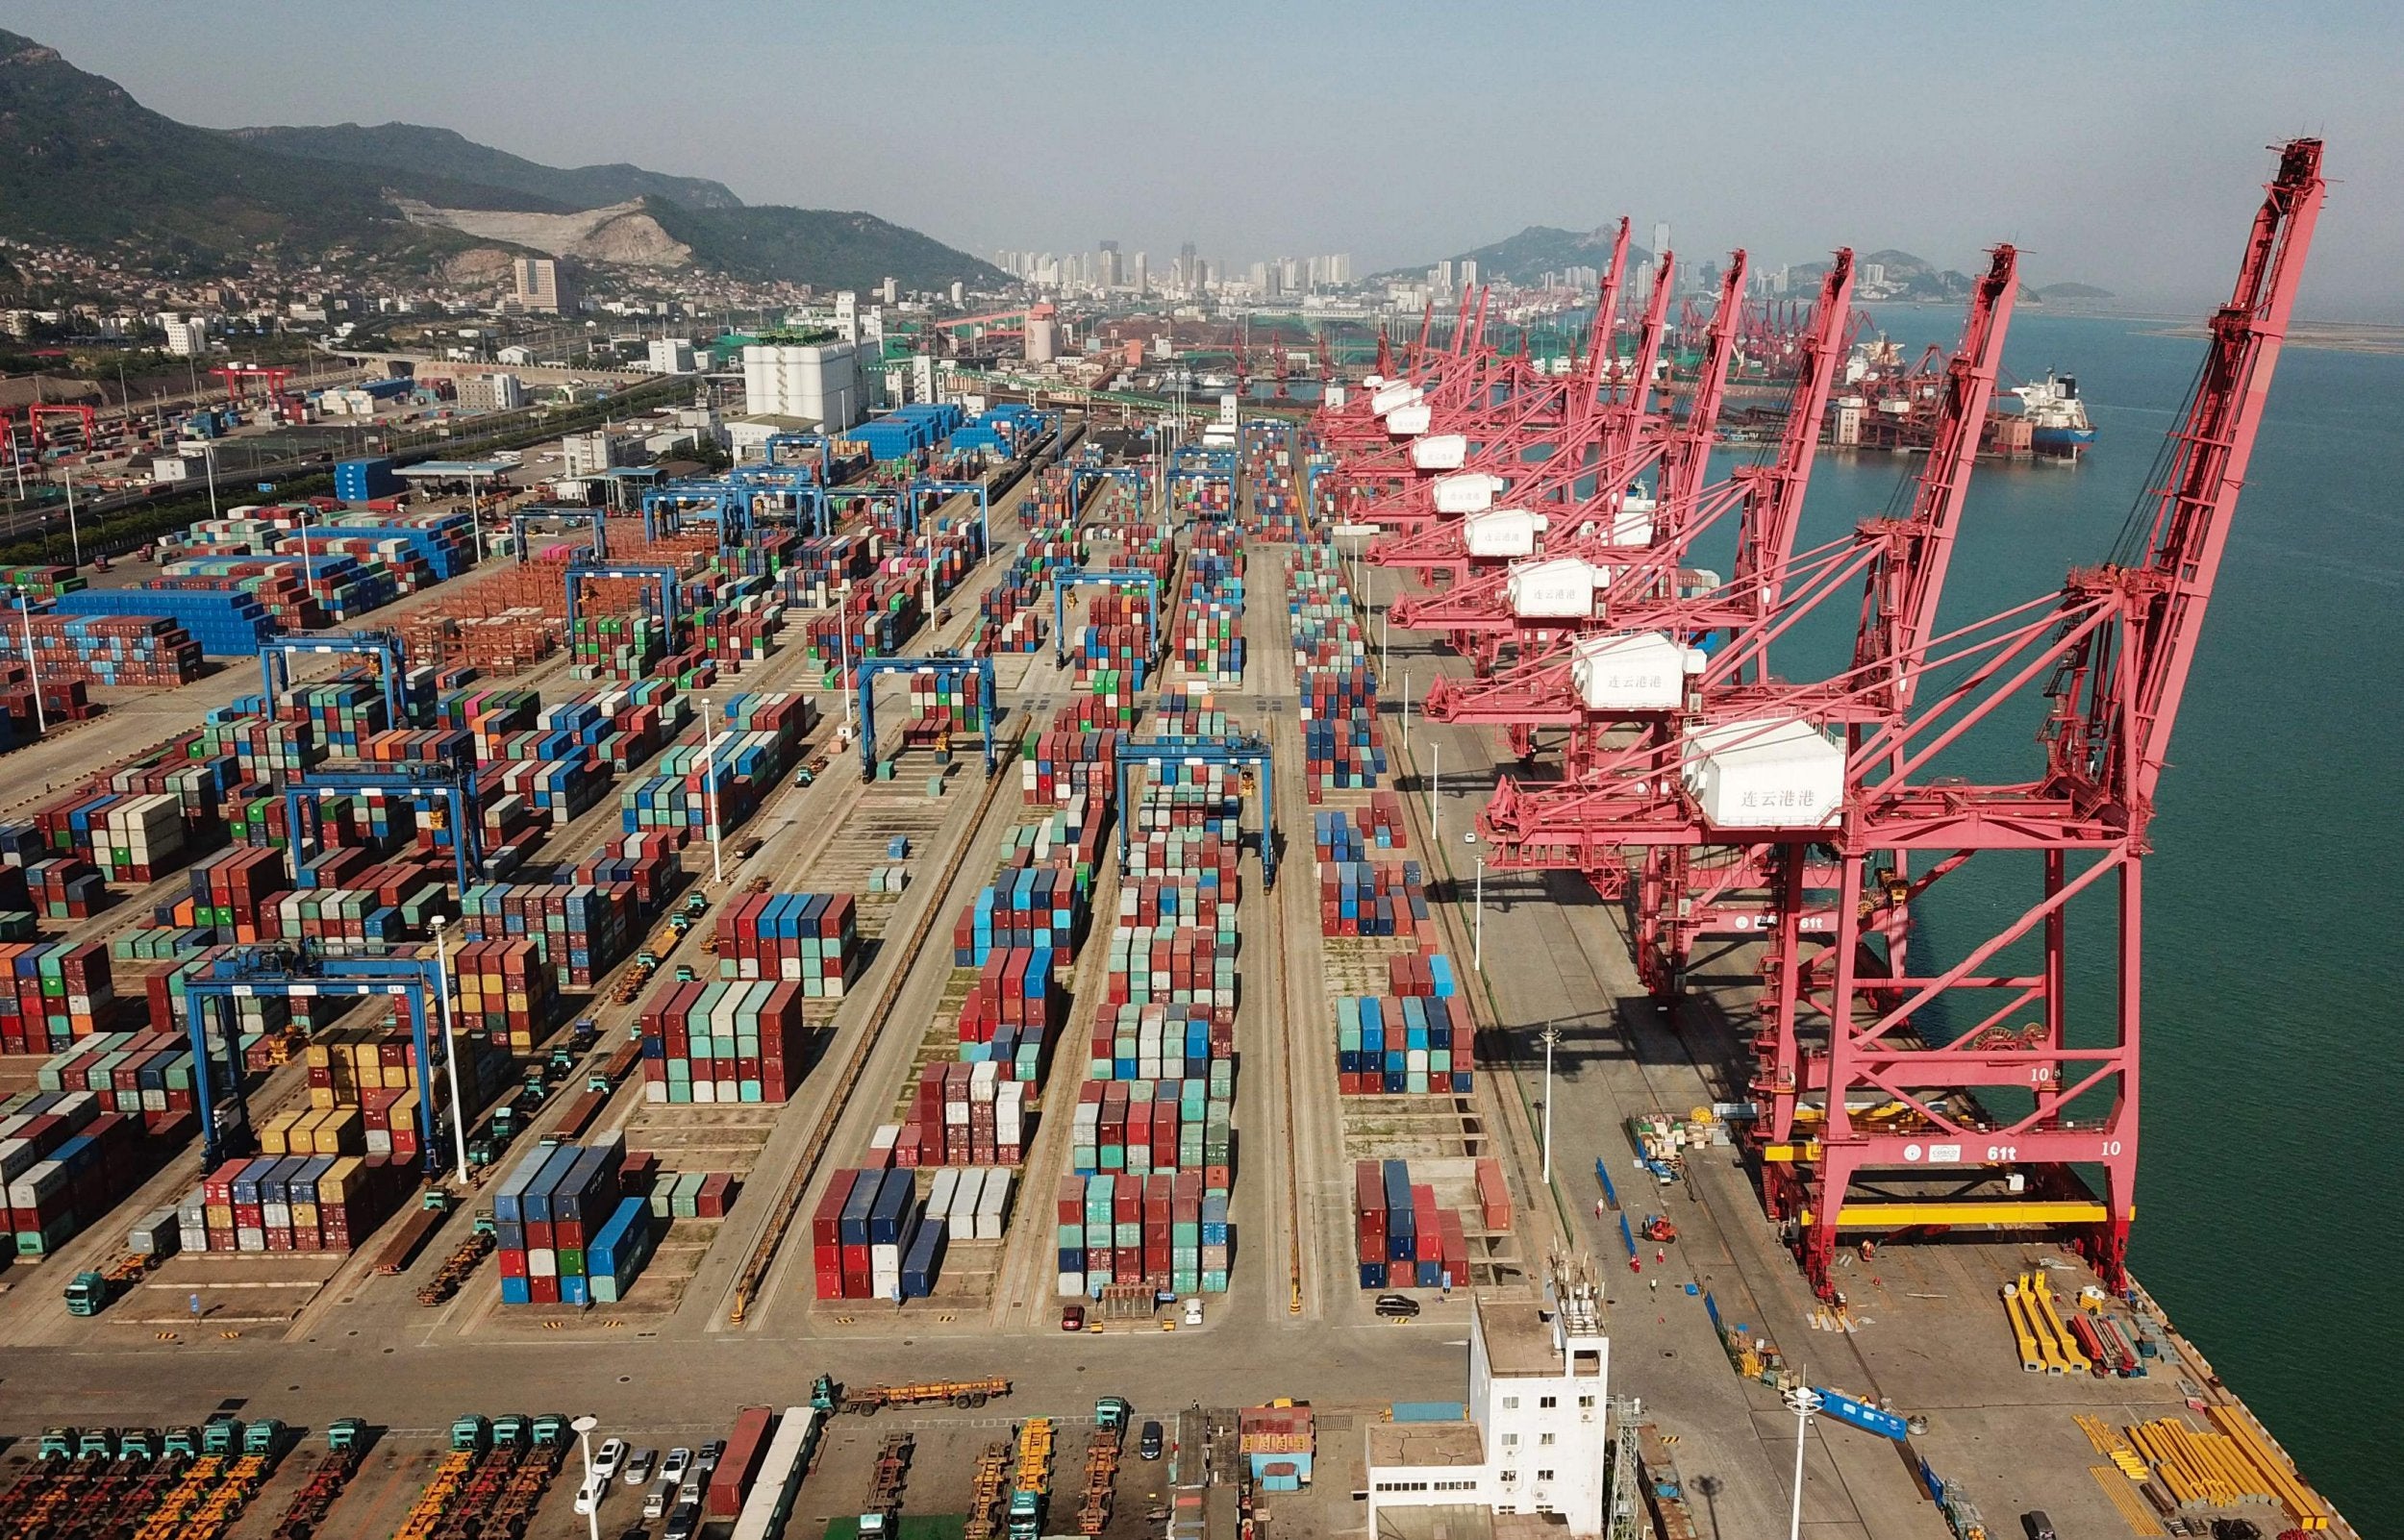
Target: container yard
{"points": [[1002, 912]]}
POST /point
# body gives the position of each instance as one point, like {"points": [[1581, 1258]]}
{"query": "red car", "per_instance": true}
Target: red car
{"points": [[1072, 1319]]}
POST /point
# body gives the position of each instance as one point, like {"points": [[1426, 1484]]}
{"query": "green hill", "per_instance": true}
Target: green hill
{"points": [[831, 248], [83, 163], [418, 150], [1538, 250]]}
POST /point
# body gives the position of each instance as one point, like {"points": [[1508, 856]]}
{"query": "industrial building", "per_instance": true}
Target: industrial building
{"points": [[821, 382], [1535, 1437]]}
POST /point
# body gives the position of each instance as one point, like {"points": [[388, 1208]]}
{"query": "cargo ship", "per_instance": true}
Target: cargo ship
{"points": [[2058, 421]]}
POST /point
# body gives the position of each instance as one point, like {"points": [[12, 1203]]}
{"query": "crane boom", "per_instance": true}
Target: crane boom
{"points": [[2189, 528]]}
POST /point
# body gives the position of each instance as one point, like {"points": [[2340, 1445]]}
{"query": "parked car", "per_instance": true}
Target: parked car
{"points": [[1397, 1306], [1152, 1441], [639, 1469], [588, 1496], [710, 1453], [678, 1465], [612, 1455], [1072, 1318], [683, 1521]]}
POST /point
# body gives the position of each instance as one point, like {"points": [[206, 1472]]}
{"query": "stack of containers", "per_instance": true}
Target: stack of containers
{"points": [[63, 888], [725, 1041], [231, 888], [1365, 898], [1112, 650], [1343, 746], [823, 565], [1039, 906], [648, 864], [225, 623], [64, 1162], [374, 1069], [942, 707], [146, 1074], [1396, 1046], [550, 1211], [505, 993], [292, 1202], [1404, 1239], [1174, 940], [1011, 1011], [964, 1115], [812, 939], [146, 650], [868, 1224], [1209, 627], [583, 927], [1074, 758], [1161, 1231], [691, 1193], [52, 993], [972, 1202]]}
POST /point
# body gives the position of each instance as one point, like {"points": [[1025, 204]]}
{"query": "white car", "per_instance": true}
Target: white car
{"points": [[612, 1455], [589, 1495], [1194, 1311], [679, 1462]]}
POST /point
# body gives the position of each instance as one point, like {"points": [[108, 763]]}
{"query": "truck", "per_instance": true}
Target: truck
{"points": [[1101, 1464], [870, 1400], [883, 1512]]}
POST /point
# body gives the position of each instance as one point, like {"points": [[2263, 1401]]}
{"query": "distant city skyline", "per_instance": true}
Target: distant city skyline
{"points": [[2110, 146]]}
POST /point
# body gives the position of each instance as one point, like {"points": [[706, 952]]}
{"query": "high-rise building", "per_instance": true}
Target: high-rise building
{"points": [[1111, 274], [1661, 238], [545, 284], [1340, 268], [672, 355], [892, 291], [1186, 264], [187, 336], [1439, 276], [1468, 273], [1140, 272]]}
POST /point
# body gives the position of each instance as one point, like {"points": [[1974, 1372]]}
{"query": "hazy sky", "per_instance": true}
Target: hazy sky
{"points": [[2119, 144]]}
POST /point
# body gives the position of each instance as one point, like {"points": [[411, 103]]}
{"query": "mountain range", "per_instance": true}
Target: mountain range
{"points": [[83, 163], [1539, 249]]}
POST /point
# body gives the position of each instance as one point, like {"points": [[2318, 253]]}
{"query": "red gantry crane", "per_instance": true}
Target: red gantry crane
{"points": [[1626, 438], [1577, 683], [1900, 1095]]}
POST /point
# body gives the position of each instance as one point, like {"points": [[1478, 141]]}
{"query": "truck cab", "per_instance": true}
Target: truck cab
{"points": [[471, 1434], [219, 1435], [97, 1442], [179, 1443], [1026, 1515], [263, 1437], [59, 1443], [87, 1293], [345, 1435], [1110, 1414]]}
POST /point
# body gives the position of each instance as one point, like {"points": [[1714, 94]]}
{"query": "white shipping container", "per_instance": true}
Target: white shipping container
{"points": [[1440, 452], [1561, 588], [1466, 492], [939, 1197], [1503, 531], [993, 1207], [1766, 773], [960, 1214], [1635, 671]]}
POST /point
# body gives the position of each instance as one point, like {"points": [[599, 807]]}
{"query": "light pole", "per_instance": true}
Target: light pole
{"points": [[209, 457], [32, 667], [1803, 1401], [584, 1427], [710, 791], [1477, 941], [450, 1043], [1435, 789], [75, 541], [1552, 1040]]}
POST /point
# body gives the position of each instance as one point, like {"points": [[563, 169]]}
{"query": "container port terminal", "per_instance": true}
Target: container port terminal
{"points": [[937, 979]]}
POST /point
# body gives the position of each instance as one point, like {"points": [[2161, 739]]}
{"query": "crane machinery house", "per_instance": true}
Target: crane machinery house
{"points": [[1533, 1439]]}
